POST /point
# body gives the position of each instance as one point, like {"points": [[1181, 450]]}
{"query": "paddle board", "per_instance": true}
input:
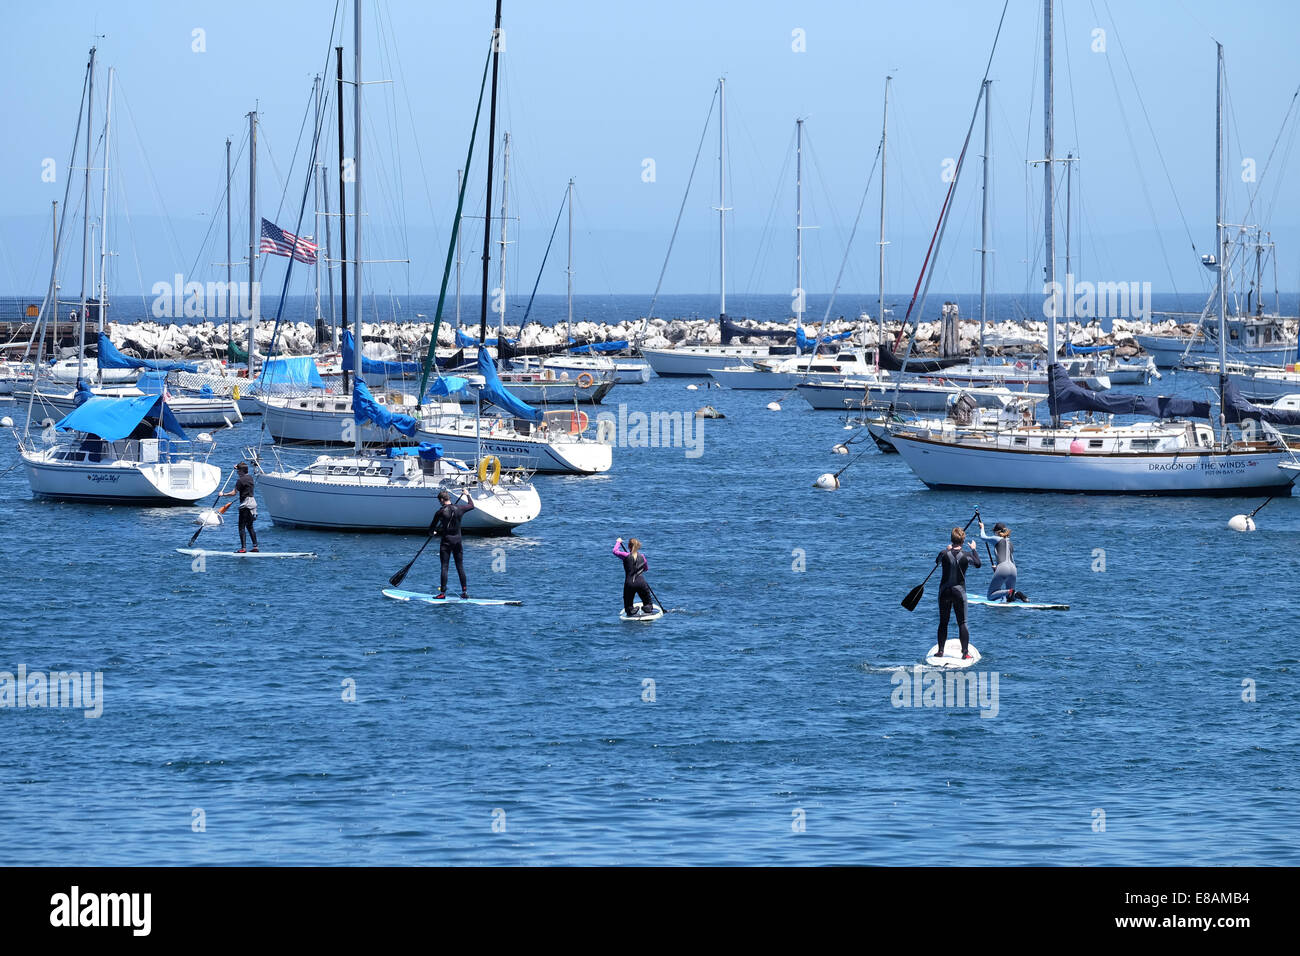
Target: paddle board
{"points": [[952, 655], [1023, 605], [399, 595], [654, 615], [246, 554]]}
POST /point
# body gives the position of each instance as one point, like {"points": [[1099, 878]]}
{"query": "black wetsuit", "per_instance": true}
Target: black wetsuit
{"points": [[247, 510], [447, 523], [634, 583], [952, 593]]}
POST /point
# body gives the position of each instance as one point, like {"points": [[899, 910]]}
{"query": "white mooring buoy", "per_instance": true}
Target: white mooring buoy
{"points": [[692, 388], [840, 449], [1241, 523], [6, 422], [826, 482], [773, 406]]}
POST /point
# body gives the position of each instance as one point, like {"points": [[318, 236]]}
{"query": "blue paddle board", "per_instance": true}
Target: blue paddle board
{"points": [[399, 595], [1023, 605]]}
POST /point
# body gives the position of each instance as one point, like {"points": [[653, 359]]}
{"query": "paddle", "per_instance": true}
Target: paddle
{"points": [[222, 510], [914, 596], [397, 579]]}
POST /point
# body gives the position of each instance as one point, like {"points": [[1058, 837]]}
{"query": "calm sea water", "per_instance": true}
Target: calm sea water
{"points": [[525, 735]]}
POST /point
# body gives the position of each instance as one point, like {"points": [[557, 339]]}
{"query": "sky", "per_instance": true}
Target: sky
{"points": [[605, 93]]}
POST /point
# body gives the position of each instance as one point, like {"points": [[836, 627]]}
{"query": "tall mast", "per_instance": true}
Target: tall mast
{"points": [[356, 196], [984, 222], [1069, 204], [253, 232], [230, 296], [329, 243], [798, 223], [315, 172], [460, 177], [569, 325], [54, 299], [1219, 246], [343, 225], [85, 222], [505, 206], [884, 133], [722, 194], [487, 214], [103, 222], [1049, 198]]}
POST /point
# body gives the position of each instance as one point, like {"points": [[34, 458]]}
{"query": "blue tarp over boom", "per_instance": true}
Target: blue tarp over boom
{"points": [[1064, 396], [366, 409], [299, 370], [375, 367], [113, 419], [1086, 349], [463, 340], [804, 343], [1237, 409], [110, 357], [495, 392], [600, 347]]}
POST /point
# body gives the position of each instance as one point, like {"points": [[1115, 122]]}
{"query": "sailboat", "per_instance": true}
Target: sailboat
{"points": [[397, 489], [696, 360], [1171, 455]]}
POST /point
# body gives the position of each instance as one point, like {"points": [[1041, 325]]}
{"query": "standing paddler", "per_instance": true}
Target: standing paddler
{"points": [[447, 524], [247, 507], [954, 560]]}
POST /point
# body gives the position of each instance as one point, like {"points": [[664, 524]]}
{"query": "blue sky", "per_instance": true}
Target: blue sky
{"points": [[591, 90]]}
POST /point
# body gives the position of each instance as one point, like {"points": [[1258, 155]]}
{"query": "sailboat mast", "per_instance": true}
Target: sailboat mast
{"points": [[230, 295], [253, 303], [505, 210], [103, 220], [1049, 199], [460, 178], [722, 194], [1069, 203], [329, 243], [884, 134], [798, 223], [1219, 246], [487, 214], [356, 200], [315, 196], [984, 222], [568, 331], [85, 221], [343, 224]]}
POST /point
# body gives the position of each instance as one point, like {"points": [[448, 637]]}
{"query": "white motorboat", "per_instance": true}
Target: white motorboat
{"points": [[786, 373]]}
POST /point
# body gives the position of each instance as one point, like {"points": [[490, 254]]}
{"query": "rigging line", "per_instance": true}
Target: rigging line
{"points": [[659, 285], [120, 92], [1259, 182], [563, 202], [1163, 165], [938, 229], [760, 261]]}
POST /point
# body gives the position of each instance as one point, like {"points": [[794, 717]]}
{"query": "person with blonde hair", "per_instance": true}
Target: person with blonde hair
{"points": [[634, 584], [952, 588]]}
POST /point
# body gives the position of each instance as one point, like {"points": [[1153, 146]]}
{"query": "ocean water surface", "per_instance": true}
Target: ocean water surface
{"points": [[754, 724]]}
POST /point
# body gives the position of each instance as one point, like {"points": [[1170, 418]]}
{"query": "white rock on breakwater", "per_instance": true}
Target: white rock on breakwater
{"points": [[393, 339]]}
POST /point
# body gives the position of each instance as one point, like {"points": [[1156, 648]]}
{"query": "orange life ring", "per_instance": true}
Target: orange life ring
{"points": [[590, 380]]}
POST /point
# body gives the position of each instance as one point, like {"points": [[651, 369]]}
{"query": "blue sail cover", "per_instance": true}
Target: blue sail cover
{"points": [[113, 419], [805, 343], [495, 392], [446, 385], [463, 340], [366, 409], [429, 451], [599, 347], [110, 357], [375, 367], [152, 383], [1086, 349], [1237, 409], [83, 393], [295, 370], [1064, 396]]}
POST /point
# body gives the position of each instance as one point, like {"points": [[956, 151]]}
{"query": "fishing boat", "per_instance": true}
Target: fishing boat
{"points": [[395, 490], [1172, 455]]}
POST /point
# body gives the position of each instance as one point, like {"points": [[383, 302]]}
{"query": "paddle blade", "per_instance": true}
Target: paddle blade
{"points": [[914, 597], [397, 579]]}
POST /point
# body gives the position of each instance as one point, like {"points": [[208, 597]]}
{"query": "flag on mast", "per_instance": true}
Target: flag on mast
{"points": [[280, 243]]}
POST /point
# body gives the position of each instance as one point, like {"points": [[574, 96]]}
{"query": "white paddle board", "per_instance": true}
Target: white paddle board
{"points": [[654, 615], [399, 595], [1023, 605], [952, 655], [246, 554]]}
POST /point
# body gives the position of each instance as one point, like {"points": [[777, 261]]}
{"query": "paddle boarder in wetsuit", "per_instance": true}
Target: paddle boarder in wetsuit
{"points": [[447, 523], [634, 567], [1003, 585], [247, 507], [952, 589]]}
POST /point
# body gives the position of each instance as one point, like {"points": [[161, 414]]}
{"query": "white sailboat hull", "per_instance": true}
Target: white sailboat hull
{"points": [[586, 457], [696, 360], [120, 482], [916, 396], [1187, 472]]}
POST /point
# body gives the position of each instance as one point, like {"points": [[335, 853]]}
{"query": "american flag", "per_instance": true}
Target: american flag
{"points": [[280, 243]]}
